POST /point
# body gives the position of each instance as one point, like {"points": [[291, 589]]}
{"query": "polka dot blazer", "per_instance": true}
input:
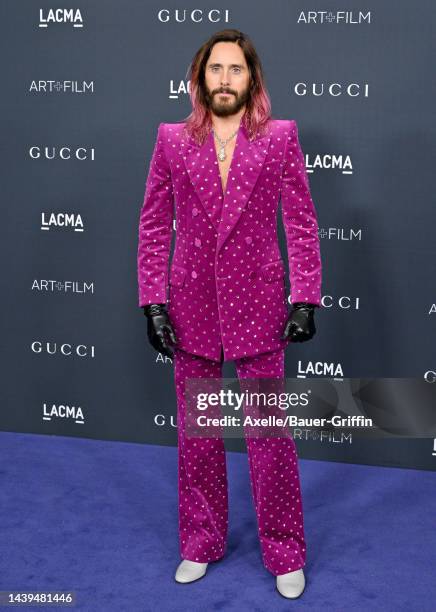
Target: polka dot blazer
{"points": [[225, 286]]}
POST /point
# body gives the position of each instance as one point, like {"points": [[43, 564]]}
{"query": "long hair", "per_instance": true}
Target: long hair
{"points": [[258, 108]]}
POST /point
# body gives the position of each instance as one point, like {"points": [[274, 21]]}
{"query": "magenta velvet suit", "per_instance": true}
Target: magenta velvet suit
{"points": [[227, 300], [226, 282]]}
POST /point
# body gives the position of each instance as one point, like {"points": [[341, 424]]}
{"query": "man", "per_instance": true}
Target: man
{"points": [[227, 166]]}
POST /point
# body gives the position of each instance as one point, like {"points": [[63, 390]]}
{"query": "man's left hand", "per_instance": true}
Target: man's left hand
{"points": [[300, 325]]}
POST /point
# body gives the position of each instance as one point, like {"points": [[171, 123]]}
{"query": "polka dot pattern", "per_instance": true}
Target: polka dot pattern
{"points": [[202, 477], [226, 286]]}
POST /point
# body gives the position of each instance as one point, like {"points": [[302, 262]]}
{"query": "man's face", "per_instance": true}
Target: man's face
{"points": [[226, 71]]}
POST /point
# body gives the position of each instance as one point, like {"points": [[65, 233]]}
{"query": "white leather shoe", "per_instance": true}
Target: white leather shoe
{"points": [[291, 585], [188, 571]]}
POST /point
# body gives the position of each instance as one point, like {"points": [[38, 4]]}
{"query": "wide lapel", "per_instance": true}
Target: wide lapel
{"points": [[247, 162], [201, 165]]}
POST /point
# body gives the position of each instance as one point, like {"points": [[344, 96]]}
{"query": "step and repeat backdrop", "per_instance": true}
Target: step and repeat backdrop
{"points": [[84, 88]]}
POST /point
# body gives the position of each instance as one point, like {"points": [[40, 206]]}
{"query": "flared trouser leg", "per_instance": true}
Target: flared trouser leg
{"points": [[275, 480], [274, 477], [202, 472]]}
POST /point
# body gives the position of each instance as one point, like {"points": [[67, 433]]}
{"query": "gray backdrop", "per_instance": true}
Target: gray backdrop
{"points": [[83, 93]]}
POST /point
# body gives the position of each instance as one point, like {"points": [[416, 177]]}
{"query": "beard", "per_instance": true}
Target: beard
{"points": [[224, 106]]}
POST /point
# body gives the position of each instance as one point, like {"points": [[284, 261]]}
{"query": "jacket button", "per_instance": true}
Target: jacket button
{"points": [[194, 274], [252, 274], [197, 242], [194, 212], [248, 239]]}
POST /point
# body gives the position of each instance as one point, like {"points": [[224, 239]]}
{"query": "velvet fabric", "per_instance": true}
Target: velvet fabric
{"points": [[225, 287], [273, 467]]}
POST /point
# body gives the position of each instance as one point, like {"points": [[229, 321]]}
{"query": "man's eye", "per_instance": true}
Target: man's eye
{"points": [[216, 68]]}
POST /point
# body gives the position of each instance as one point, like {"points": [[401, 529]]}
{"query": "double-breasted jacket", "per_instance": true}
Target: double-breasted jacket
{"points": [[225, 286]]}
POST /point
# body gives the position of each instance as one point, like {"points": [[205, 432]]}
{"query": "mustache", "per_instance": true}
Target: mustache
{"points": [[224, 91]]}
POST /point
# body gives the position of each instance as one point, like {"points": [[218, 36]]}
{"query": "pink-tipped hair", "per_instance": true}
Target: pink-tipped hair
{"points": [[258, 108]]}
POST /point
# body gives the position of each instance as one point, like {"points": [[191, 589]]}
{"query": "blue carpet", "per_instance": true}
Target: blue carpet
{"points": [[100, 518]]}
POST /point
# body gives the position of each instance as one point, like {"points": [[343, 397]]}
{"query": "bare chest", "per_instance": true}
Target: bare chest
{"points": [[224, 166]]}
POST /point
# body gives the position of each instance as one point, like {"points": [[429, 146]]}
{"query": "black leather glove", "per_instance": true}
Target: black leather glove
{"points": [[300, 325], [158, 323]]}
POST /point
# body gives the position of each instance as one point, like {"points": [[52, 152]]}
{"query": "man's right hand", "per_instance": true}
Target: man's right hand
{"points": [[158, 324]]}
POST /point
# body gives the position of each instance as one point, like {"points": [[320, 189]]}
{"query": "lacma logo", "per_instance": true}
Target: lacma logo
{"points": [[331, 162], [60, 15], [182, 88], [61, 220], [320, 368], [64, 412]]}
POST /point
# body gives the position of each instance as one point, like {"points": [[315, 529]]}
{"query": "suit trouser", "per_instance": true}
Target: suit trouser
{"points": [[274, 477]]}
